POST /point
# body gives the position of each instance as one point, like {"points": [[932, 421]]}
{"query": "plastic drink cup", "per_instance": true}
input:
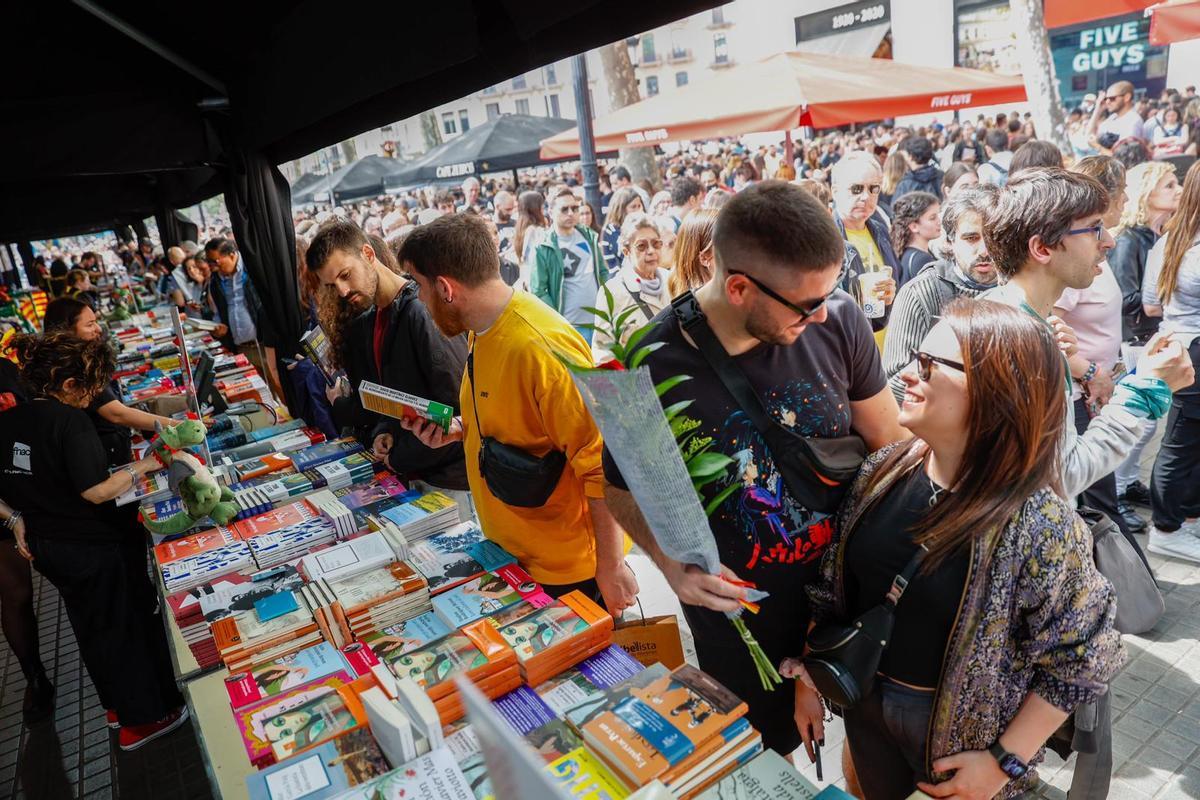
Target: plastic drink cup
{"points": [[867, 281]]}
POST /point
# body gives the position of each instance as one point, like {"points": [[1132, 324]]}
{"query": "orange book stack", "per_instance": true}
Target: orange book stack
{"points": [[245, 642], [554, 638], [476, 651]]}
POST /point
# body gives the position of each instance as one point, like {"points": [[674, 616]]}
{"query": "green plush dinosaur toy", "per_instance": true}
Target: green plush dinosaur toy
{"points": [[188, 477]]}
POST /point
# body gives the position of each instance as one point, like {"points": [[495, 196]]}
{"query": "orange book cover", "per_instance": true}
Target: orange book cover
{"points": [[275, 519], [193, 544]]}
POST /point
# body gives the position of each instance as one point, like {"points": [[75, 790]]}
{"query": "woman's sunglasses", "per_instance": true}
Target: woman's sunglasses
{"points": [[925, 363]]}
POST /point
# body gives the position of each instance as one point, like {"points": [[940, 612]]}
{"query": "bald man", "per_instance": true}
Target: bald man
{"points": [[1123, 118], [505, 217]]}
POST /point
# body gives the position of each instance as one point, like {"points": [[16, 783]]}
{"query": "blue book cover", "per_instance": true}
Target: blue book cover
{"points": [[262, 434], [651, 726], [315, 456]]}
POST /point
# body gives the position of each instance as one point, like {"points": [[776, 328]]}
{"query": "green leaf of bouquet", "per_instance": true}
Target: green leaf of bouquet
{"points": [[598, 313], [670, 383], [721, 497], [674, 409], [636, 337], [704, 464], [640, 355]]}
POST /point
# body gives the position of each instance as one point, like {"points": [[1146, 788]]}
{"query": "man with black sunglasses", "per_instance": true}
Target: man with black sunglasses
{"points": [[805, 348], [569, 267]]}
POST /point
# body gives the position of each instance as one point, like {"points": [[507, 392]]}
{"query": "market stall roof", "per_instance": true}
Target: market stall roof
{"points": [[507, 142], [305, 181], [1174, 21], [362, 178], [789, 90], [113, 109]]}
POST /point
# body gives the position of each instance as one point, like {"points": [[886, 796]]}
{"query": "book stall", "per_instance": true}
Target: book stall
{"points": [[340, 635]]}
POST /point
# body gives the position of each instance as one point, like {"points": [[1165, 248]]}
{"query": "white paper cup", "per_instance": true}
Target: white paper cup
{"points": [[872, 305]]}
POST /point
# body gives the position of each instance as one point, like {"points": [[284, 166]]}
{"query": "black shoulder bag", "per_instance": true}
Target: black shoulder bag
{"points": [[816, 471], [515, 477], [843, 659]]}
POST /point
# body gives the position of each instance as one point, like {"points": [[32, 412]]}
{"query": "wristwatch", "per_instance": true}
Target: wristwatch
{"points": [[1011, 765]]}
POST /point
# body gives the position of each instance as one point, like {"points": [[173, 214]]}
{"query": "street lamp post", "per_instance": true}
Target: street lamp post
{"points": [[587, 140]]}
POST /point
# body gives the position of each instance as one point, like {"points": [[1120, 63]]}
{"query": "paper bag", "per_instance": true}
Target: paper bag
{"points": [[651, 640]]}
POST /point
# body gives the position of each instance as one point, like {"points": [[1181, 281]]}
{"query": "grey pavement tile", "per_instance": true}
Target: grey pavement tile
{"points": [[1169, 699], [1124, 745], [1139, 728], [1186, 727], [1120, 790], [1175, 745]]}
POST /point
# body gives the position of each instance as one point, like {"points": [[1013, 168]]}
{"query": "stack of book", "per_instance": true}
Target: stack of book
{"points": [[381, 598], [403, 719], [283, 674], [424, 516], [342, 560], [189, 617], [491, 592], [767, 776], [348, 760], [343, 472], [335, 511], [383, 486], [436, 776], [284, 533], [404, 637], [278, 429], [327, 613], [476, 651], [556, 637], [190, 561], [313, 457], [455, 556], [258, 466], [682, 728], [278, 727], [244, 640]]}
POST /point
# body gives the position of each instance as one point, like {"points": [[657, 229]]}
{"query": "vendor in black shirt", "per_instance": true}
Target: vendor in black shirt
{"points": [[53, 470], [807, 349], [112, 418]]}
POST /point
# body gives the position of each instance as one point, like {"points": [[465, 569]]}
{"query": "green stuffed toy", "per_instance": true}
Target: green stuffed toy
{"points": [[123, 300], [188, 477]]}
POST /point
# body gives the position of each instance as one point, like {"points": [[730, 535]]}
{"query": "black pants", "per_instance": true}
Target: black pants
{"points": [[1175, 482], [1102, 495], [886, 733], [112, 607]]}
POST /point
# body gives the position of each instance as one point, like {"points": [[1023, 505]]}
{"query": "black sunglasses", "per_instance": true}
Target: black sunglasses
{"points": [[925, 364], [804, 313]]}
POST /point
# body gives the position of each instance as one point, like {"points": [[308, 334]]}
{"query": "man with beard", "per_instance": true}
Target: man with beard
{"points": [[394, 343], [806, 350], [967, 273], [506, 220], [1045, 233], [518, 395]]}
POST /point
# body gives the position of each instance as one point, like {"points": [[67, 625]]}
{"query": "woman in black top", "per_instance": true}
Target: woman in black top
{"points": [[916, 221], [112, 418], [54, 472]]}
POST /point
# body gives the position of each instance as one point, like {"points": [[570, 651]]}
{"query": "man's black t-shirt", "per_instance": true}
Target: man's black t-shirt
{"points": [[762, 533], [49, 455]]}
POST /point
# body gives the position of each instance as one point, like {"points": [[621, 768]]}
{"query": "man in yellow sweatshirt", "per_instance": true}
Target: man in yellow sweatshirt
{"points": [[517, 392]]}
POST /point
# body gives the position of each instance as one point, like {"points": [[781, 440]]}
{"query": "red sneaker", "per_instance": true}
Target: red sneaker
{"points": [[134, 736], [111, 718]]}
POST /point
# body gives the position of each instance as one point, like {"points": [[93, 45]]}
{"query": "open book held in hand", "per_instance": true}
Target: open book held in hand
{"points": [[401, 405]]}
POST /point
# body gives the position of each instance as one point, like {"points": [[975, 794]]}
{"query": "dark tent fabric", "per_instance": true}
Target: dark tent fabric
{"points": [[110, 132], [304, 182], [363, 178], [508, 142]]}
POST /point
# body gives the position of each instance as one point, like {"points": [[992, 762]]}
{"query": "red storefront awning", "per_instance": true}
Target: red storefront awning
{"points": [[1175, 22], [1060, 13]]}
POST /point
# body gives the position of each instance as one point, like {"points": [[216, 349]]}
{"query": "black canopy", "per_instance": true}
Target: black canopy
{"points": [[508, 142], [362, 178]]}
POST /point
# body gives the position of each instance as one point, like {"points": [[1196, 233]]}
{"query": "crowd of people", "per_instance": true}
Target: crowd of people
{"points": [[1001, 328]]}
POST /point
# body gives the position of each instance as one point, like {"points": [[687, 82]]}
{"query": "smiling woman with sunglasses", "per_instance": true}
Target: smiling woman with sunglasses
{"points": [[1006, 625], [641, 283]]}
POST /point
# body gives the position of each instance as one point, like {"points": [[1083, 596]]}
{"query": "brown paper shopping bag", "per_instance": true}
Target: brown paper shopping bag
{"points": [[651, 640]]}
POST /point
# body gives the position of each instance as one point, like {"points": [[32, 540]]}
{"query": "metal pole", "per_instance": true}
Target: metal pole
{"points": [[587, 140]]}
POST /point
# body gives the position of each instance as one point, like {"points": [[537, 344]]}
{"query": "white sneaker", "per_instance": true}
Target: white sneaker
{"points": [[1177, 544]]}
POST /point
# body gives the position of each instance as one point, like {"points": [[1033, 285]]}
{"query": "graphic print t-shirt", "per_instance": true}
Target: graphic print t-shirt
{"points": [[762, 533], [579, 278]]}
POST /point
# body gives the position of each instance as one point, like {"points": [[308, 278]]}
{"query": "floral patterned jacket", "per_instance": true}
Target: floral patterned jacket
{"points": [[1035, 616]]}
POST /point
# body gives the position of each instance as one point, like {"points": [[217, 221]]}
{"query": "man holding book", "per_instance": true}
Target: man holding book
{"points": [[395, 344], [539, 491], [773, 312]]}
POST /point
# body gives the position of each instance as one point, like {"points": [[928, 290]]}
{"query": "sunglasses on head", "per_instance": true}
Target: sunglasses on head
{"points": [[925, 363], [804, 313]]}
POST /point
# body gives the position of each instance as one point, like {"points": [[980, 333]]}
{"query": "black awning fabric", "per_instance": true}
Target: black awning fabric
{"points": [[363, 178], [100, 129], [508, 142]]}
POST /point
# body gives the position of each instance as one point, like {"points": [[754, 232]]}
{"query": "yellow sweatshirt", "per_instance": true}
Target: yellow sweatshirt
{"points": [[526, 399]]}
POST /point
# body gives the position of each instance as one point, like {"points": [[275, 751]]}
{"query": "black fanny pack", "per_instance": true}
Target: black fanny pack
{"points": [[816, 471], [843, 658], [515, 477]]}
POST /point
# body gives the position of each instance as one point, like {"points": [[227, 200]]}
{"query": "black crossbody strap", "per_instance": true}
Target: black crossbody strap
{"points": [[643, 305], [901, 581], [688, 312], [471, 378]]}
